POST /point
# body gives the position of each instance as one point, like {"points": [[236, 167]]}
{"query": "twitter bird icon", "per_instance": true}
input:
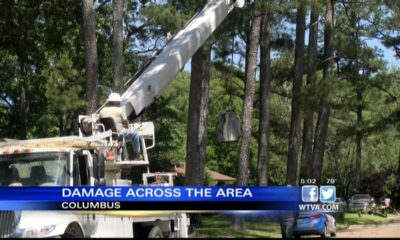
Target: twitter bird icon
{"points": [[327, 193]]}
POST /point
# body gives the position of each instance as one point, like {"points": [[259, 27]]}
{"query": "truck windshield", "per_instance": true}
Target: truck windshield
{"points": [[34, 169]]}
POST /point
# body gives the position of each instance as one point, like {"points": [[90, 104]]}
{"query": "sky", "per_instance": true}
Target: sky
{"points": [[388, 54]]}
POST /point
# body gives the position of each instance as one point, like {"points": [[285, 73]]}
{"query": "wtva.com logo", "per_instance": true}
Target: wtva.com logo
{"points": [[309, 193]]}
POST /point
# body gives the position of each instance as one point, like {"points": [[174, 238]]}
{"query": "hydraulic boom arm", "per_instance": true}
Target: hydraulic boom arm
{"points": [[158, 75]]}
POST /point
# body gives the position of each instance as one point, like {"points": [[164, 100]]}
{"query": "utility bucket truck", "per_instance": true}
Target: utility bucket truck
{"points": [[97, 156], [76, 161]]}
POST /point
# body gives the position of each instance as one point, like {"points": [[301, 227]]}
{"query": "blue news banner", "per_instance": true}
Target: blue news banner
{"points": [[150, 198]]}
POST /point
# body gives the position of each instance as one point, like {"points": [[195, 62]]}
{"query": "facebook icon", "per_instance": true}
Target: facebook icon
{"points": [[309, 193]]}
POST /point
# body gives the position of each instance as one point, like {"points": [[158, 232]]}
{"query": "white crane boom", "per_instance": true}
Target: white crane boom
{"points": [[152, 82]]}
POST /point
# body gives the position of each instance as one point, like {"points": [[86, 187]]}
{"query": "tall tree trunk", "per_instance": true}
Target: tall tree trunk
{"points": [[118, 40], [251, 67], [23, 116], [306, 153], [198, 115], [265, 103], [22, 107], [196, 140], [358, 141], [397, 196], [295, 124], [324, 112], [91, 64]]}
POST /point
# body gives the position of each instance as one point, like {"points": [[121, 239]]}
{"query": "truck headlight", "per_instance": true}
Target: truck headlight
{"points": [[37, 232]]}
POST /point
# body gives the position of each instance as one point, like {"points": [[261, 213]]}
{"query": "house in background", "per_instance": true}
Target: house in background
{"points": [[218, 179]]}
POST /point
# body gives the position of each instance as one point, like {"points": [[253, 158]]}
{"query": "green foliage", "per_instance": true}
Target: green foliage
{"points": [[166, 16], [33, 32], [208, 181], [41, 52], [169, 114], [64, 86], [362, 82]]}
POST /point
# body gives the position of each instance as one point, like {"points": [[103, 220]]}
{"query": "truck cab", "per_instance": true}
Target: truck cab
{"points": [[80, 161], [51, 166], [47, 167]]}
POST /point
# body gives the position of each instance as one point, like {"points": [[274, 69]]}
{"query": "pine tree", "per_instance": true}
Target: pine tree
{"points": [[265, 102], [295, 124], [321, 130], [91, 62], [308, 124], [118, 50], [251, 67]]}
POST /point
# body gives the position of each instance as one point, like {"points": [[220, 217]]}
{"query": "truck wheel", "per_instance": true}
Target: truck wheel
{"points": [[155, 232], [73, 231]]}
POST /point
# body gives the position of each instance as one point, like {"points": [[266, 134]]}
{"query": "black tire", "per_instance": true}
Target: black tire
{"points": [[325, 233], [155, 232], [333, 234], [73, 231]]}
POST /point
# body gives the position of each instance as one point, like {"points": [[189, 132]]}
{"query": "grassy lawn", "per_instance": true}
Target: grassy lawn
{"points": [[220, 226], [354, 219]]}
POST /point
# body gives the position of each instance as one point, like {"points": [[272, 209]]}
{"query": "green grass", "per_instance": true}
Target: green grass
{"points": [[354, 219], [220, 226]]}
